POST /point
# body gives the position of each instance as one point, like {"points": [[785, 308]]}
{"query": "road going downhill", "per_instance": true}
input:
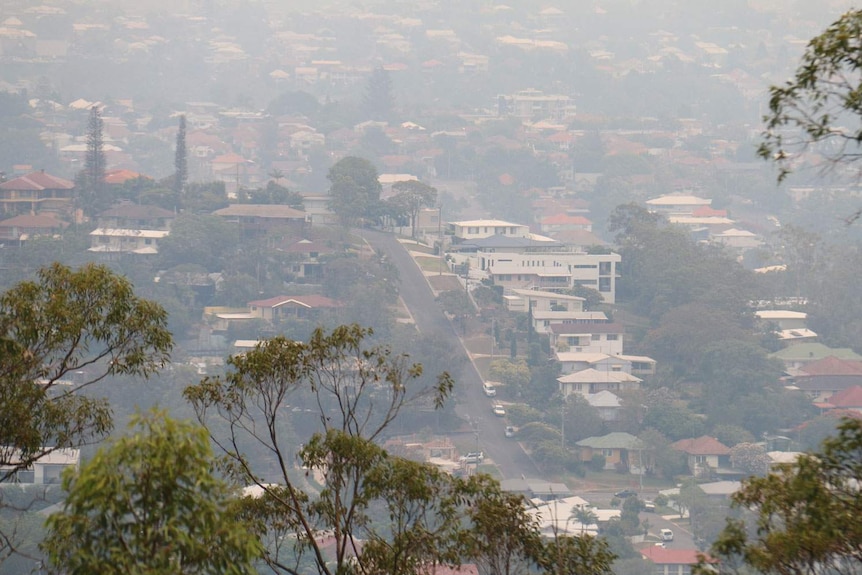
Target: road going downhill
{"points": [[472, 404]]}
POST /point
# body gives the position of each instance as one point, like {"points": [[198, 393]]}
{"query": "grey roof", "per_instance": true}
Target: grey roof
{"points": [[615, 440]]}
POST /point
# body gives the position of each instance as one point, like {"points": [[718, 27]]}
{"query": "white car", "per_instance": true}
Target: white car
{"points": [[666, 535], [489, 390], [475, 457], [499, 410]]}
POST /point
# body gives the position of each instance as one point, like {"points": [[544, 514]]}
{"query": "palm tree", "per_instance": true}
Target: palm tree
{"points": [[276, 175], [585, 516]]}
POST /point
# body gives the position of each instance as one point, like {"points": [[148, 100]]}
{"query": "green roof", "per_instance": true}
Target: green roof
{"points": [[814, 351], [615, 440]]}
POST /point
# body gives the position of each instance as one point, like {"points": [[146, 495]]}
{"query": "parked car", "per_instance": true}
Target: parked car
{"points": [[489, 390], [474, 457], [666, 535], [510, 431], [649, 506], [625, 493], [499, 410]]}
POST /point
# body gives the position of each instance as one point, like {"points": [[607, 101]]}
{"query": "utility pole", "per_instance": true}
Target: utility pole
{"points": [[440, 238]]}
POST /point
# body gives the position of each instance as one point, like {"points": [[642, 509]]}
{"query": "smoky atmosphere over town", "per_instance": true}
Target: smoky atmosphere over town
{"points": [[430, 287]]}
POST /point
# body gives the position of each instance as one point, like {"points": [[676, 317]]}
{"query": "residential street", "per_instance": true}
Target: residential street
{"points": [[472, 404]]}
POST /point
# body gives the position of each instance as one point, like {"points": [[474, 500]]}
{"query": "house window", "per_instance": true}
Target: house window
{"points": [[604, 284], [613, 337], [608, 452], [604, 268], [595, 337], [616, 368]]}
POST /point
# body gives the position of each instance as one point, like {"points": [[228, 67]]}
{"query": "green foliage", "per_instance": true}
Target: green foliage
{"points": [[822, 104], [456, 302], [201, 240], [674, 421], [150, 503], [379, 101], [181, 161], [513, 374], [354, 191], [584, 555], [80, 325], [273, 193], [732, 434], [805, 516], [597, 463], [750, 458], [410, 197]]}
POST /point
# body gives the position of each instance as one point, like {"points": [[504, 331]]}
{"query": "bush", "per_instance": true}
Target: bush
{"points": [[597, 463]]}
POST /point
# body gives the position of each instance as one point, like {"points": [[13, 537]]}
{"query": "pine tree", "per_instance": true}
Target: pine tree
{"points": [[94, 165], [181, 165], [379, 101]]}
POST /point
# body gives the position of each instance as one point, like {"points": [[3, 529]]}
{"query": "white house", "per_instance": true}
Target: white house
{"points": [[590, 381], [521, 300], [677, 204], [571, 362], [543, 320], [47, 469], [604, 338], [475, 229]]}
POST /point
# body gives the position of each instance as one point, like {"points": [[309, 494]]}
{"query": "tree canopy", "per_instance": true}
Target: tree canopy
{"points": [[355, 190], [821, 104], [150, 502]]}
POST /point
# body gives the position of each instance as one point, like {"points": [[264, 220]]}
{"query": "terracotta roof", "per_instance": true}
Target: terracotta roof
{"points": [[831, 365], [308, 301], [703, 445], [566, 219], [38, 221], [37, 181], [662, 556], [707, 211], [122, 176], [506, 179], [847, 398]]}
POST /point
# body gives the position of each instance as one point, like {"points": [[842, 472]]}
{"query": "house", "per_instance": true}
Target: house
{"points": [[574, 361], [619, 449], [849, 398], [536, 489], [603, 337], [284, 307], [46, 469], [703, 454], [796, 357], [606, 404], [307, 254], [543, 320], [36, 192], [670, 561], [677, 204], [559, 517], [563, 223], [591, 381], [476, 229], [822, 379], [129, 228], [26, 226], [258, 219], [521, 300]]}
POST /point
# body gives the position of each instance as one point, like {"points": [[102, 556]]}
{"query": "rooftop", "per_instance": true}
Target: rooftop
{"points": [[703, 445], [615, 440]]}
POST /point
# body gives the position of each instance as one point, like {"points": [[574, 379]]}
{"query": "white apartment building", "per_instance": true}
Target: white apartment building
{"points": [[476, 229]]}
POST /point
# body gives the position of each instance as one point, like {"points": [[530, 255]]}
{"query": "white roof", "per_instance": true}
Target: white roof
{"points": [[128, 233], [395, 178], [594, 376], [801, 333], [735, 233], [638, 358], [604, 398], [575, 315], [679, 200], [721, 487], [546, 294], [486, 223], [784, 456], [706, 221], [780, 314], [247, 343], [56, 457]]}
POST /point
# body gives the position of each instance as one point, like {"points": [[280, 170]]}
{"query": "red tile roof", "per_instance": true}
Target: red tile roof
{"points": [[38, 221], [309, 301], [121, 176], [706, 212], [37, 181], [831, 365], [567, 220], [704, 445], [662, 556], [847, 398]]}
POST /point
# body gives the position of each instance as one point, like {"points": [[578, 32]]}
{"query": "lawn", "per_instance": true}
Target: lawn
{"points": [[430, 264]]}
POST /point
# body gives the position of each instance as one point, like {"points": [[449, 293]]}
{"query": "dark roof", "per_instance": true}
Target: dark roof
{"points": [[501, 241], [261, 211], [827, 382], [37, 181]]}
